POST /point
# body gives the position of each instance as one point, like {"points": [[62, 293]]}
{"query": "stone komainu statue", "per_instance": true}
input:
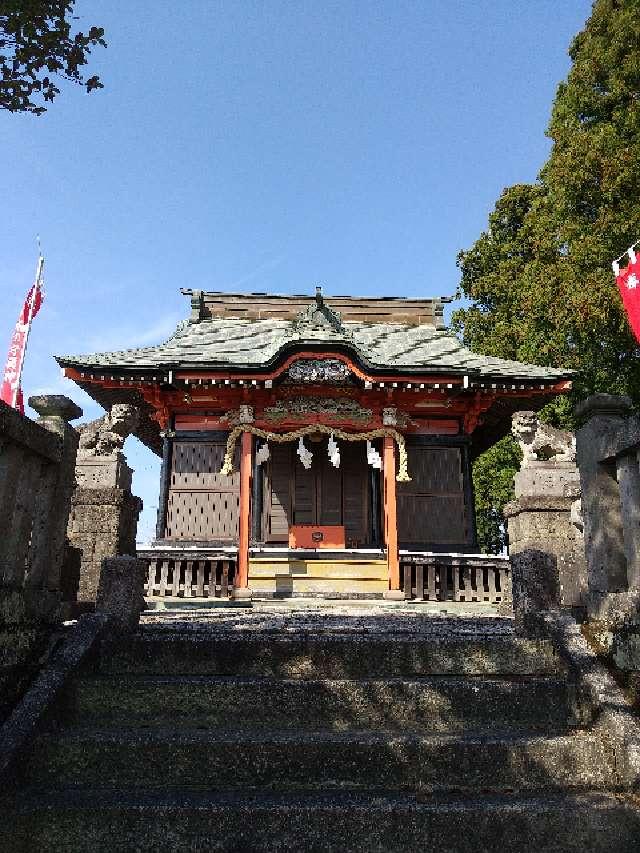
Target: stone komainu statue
{"points": [[540, 442], [106, 435]]}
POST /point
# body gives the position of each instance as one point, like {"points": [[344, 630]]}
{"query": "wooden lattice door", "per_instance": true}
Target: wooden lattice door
{"points": [[203, 504], [431, 509]]}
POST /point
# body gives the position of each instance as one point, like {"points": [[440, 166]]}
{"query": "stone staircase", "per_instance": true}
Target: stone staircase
{"points": [[314, 732]]}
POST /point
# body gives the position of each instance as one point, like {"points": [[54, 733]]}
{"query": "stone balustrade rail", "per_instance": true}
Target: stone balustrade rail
{"points": [[37, 464]]}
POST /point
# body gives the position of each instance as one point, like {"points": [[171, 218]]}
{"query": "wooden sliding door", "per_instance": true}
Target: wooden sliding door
{"points": [[432, 508]]}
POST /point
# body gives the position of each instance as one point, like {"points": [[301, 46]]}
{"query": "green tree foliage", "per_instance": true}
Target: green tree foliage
{"points": [[540, 276], [37, 48], [493, 473]]}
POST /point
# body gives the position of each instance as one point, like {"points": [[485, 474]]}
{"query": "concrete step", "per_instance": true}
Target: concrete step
{"points": [[226, 703], [308, 761], [305, 655], [87, 819]]}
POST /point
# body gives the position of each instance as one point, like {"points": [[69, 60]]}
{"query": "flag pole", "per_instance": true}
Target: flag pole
{"points": [[32, 301]]}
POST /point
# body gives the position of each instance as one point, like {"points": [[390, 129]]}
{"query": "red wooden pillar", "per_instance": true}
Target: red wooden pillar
{"points": [[242, 579], [390, 513]]}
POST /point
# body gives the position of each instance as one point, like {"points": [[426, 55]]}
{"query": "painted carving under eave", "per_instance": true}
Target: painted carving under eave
{"points": [[332, 408], [235, 417], [321, 370]]}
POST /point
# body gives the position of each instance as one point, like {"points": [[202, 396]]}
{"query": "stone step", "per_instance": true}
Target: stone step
{"points": [[85, 819], [304, 655], [226, 703], [308, 761]]}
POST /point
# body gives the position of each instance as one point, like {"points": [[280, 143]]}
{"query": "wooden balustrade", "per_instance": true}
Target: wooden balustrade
{"points": [[431, 577], [466, 578], [181, 577]]}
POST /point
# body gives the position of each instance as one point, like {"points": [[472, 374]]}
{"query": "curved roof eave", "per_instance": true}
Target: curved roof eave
{"points": [[342, 347]]}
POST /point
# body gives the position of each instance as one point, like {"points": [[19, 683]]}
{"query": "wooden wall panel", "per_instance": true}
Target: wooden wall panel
{"points": [[431, 508], [304, 490], [203, 504]]}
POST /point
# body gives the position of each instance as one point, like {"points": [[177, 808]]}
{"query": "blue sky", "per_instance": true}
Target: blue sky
{"points": [[267, 146]]}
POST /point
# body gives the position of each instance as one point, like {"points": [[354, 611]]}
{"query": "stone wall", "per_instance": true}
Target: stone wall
{"points": [[575, 531], [608, 445], [37, 461]]}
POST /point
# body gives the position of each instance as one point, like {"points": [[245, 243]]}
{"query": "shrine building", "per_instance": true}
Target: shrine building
{"points": [[316, 446]]}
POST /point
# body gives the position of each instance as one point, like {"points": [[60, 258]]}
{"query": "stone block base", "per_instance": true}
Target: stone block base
{"points": [[241, 594], [121, 591], [547, 557], [102, 524], [394, 595]]}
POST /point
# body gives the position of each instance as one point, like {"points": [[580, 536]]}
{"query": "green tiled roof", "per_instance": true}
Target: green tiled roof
{"points": [[239, 344]]}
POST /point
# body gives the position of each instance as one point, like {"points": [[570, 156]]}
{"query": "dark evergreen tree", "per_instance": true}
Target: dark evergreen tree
{"points": [[540, 277]]}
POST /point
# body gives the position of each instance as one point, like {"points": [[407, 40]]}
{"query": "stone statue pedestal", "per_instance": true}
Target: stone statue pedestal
{"points": [[546, 551], [546, 477], [104, 517], [546, 544], [97, 472]]}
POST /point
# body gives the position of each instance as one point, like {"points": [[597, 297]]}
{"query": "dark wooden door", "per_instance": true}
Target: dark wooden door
{"points": [[277, 503], [322, 495], [356, 494], [431, 508]]}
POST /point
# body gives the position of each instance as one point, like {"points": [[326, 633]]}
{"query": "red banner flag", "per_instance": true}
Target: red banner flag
{"points": [[10, 390], [629, 286]]}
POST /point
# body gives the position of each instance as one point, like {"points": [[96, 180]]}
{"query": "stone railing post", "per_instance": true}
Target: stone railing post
{"points": [[546, 545], [628, 475], [48, 537], [604, 481], [608, 445], [36, 480], [120, 594]]}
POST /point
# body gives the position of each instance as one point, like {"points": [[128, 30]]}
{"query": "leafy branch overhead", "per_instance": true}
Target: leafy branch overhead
{"points": [[38, 49], [540, 276]]}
